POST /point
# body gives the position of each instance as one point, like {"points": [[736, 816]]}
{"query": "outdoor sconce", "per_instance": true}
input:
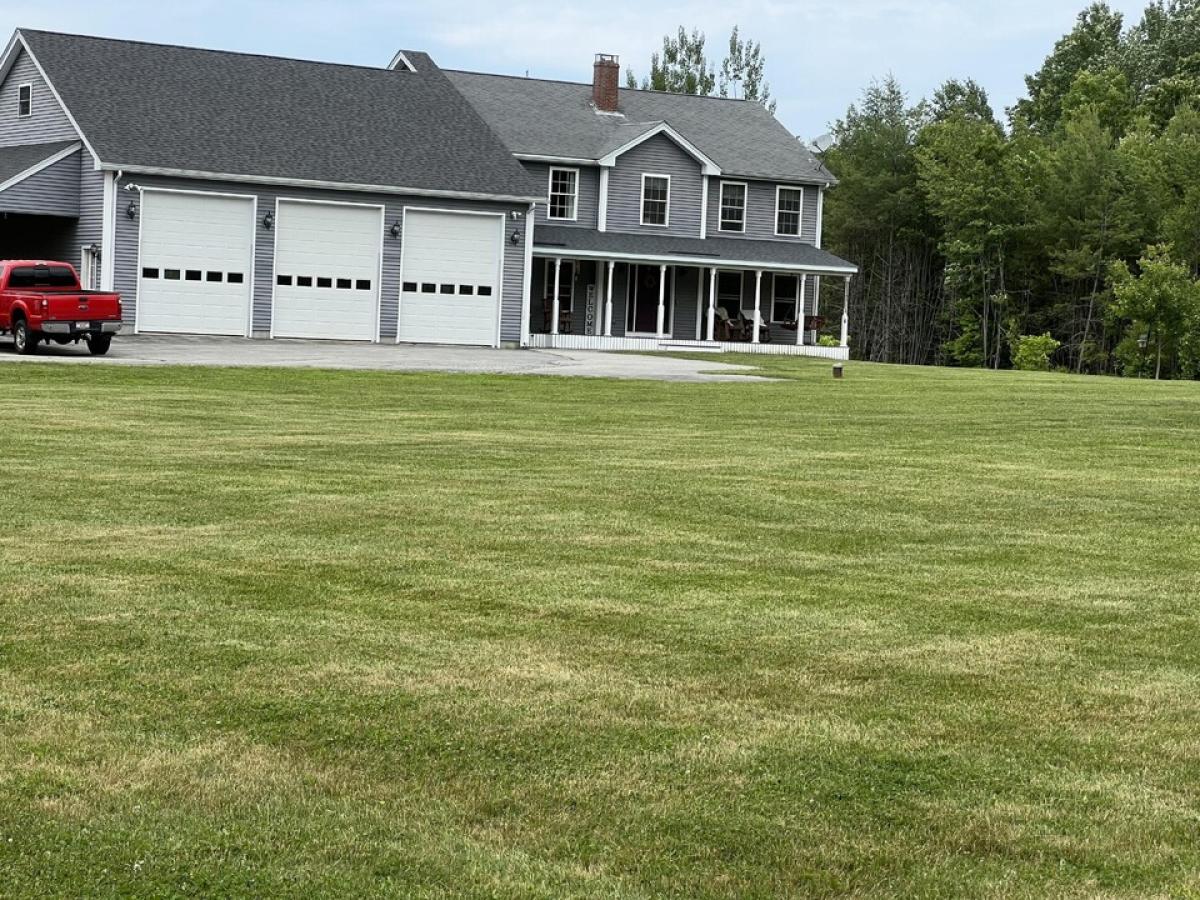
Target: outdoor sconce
{"points": [[515, 237], [131, 210], [269, 220], [395, 229]]}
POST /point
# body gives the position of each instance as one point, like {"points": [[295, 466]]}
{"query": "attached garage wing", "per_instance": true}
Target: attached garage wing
{"points": [[451, 277], [195, 263], [327, 270]]}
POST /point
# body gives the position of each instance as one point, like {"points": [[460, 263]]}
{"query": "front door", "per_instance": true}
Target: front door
{"points": [[642, 313]]}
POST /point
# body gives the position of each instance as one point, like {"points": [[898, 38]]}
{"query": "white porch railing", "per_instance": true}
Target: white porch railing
{"points": [[645, 345]]}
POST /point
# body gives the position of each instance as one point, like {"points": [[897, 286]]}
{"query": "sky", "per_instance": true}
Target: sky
{"points": [[820, 54]]}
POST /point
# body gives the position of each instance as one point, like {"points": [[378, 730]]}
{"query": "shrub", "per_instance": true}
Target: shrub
{"points": [[828, 340], [1032, 353]]}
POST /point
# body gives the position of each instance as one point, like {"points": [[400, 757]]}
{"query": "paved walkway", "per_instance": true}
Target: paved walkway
{"points": [[162, 350]]}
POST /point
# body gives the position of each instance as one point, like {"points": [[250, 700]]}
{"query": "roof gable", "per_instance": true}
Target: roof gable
{"points": [[543, 118], [154, 107], [636, 135]]}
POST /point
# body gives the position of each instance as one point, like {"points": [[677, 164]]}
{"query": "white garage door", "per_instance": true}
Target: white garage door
{"points": [[326, 270], [450, 283], [194, 263]]}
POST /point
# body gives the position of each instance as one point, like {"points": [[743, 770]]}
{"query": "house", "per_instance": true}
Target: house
{"points": [[237, 194]]}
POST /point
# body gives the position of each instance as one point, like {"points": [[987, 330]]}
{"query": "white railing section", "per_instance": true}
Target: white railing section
{"points": [[595, 342]]}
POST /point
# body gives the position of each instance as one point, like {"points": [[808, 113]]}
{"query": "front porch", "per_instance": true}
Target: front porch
{"points": [[653, 344], [625, 296]]}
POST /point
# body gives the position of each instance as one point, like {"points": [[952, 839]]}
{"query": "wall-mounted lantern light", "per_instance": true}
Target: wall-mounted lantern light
{"points": [[395, 229], [515, 237], [131, 210], [269, 220]]}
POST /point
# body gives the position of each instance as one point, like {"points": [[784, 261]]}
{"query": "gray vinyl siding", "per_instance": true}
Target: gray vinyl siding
{"points": [[89, 228], [47, 124], [657, 156], [54, 191], [264, 248], [760, 211], [589, 194]]}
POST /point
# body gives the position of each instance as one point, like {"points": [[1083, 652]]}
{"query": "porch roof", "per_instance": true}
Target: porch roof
{"points": [[18, 163], [40, 179], [724, 253]]}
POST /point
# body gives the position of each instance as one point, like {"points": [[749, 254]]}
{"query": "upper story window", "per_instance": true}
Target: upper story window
{"points": [[733, 206], [656, 199], [25, 101], [564, 194], [789, 207]]}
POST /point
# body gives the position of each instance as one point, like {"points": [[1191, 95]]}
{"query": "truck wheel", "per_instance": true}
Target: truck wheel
{"points": [[24, 340], [98, 344]]}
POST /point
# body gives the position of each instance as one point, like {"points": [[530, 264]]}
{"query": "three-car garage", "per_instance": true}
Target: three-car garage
{"points": [[330, 275]]}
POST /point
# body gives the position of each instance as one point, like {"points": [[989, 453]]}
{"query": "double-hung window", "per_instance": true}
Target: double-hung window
{"points": [[733, 206], [789, 206], [656, 200], [25, 101], [564, 194]]}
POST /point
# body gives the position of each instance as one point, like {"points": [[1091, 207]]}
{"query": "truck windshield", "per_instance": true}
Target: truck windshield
{"points": [[41, 276]]}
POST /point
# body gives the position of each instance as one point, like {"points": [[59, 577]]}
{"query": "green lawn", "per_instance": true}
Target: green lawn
{"points": [[918, 633]]}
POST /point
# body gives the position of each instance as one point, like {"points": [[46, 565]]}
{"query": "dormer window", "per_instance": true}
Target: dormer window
{"points": [[25, 101], [789, 207], [733, 206], [564, 194], [656, 200]]}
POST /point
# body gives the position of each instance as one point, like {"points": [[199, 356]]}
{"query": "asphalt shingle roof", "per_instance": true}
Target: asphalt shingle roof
{"points": [[556, 118], [15, 160], [168, 107], [720, 250]]}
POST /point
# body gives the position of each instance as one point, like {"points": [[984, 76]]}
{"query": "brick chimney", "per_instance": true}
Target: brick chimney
{"points": [[606, 76]]}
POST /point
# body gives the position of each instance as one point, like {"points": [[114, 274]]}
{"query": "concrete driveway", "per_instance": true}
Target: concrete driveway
{"points": [[187, 350]]}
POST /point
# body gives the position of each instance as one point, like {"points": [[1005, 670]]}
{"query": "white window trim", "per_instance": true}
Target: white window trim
{"points": [[779, 189], [21, 87], [721, 206], [642, 204], [774, 283], [574, 217]]}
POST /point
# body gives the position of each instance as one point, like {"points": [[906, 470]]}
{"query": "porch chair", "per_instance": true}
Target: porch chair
{"points": [[728, 329], [564, 317]]}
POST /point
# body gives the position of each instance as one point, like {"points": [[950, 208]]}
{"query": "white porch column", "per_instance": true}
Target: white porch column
{"points": [[712, 301], [608, 288], [554, 306], [757, 305], [800, 306], [662, 300], [846, 316]]}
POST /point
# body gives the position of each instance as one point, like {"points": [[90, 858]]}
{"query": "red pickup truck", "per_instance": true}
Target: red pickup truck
{"points": [[42, 301]]}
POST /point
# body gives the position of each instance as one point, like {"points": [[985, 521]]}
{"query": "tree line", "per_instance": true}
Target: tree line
{"points": [[1065, 234]]}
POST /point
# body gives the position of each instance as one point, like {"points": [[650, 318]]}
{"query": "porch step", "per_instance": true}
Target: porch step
{"points": [[690, 346]]}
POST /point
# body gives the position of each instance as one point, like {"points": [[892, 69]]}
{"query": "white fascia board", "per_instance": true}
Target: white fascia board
{"points": [[705, 262], [556, 160], [40, 166], [323, 185], [20, 39], [709, 167]]}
